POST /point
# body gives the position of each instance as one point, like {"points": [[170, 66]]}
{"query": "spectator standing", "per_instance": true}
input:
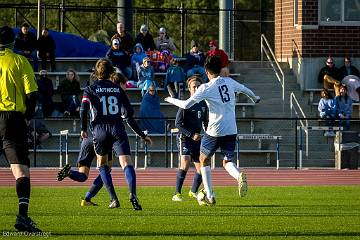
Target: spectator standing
{"points": [[327, 111], [17, 105], [352, 83], [195, 61], [118, 57], [69, 90], [164, 42], [348, 69], [329, 76], [215, 51], [45, 93], [125, 39], [175, 77], [145, 38], [344, 107], [46, 47], [26, 45], [150, 109]]}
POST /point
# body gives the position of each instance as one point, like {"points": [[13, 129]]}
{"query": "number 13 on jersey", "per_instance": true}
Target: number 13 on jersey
{"points": [[224, 93]]}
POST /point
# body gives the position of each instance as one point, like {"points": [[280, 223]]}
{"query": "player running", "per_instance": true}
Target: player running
{"points": [[190, 122], [219, 95]]}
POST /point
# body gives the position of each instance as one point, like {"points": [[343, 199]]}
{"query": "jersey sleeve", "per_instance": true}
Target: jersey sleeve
{"points": [[240, 88], [28, 76], [179, 123], [186, 104], [85, 106]]}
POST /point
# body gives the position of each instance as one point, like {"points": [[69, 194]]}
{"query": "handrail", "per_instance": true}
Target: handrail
{"points": [[296, 48], [266, 49], [304, 124]]}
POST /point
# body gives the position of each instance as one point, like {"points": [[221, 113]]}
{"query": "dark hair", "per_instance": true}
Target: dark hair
{"points": [[6, 35], [118, 78], [25, 25], [45, 28], [327, 93], [213, 64], [103, 69]]}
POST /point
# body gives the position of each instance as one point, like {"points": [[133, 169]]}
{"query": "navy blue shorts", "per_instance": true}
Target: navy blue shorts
{"points": [[111, 136], [87, 153], [189, 147], [227, 144]]}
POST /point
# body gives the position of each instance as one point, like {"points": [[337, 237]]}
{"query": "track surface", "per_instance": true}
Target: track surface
{"points": [[166, 177]]}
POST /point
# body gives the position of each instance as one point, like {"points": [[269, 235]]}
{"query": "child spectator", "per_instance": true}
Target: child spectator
{"points": [[150, 109], [145, 38], [119, 58], [137, 58], [69, 90], [195, 61], [175, 77], [327, 111], [145, 73], [46, 47], [45, 93], [344, 107]]}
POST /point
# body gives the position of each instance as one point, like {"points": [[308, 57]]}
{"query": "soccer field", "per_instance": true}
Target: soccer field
{"points": [[327, 212]]}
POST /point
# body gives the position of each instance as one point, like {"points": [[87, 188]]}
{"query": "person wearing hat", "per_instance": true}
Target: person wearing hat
{"points": [[330, 75], [195, 61], [26, 45], [215, 51], [119, 58], [344, 107], [17, 106], [164, 42], [145, 39], [190, 123]]}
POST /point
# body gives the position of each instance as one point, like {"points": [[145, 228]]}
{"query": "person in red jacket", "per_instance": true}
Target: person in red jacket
{"points": [[214, 50]]}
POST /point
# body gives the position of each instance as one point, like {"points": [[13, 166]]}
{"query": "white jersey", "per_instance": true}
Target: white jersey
{"points": [[219, 95]]}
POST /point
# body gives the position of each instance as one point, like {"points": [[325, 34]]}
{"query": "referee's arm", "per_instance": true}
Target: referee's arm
{"points": [[30, 103]]}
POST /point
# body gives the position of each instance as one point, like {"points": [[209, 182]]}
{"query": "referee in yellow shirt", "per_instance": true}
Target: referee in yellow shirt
{"points": [[17, 105]]}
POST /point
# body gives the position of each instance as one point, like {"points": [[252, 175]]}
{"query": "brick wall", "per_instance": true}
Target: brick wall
{"points": [[312, 40]]}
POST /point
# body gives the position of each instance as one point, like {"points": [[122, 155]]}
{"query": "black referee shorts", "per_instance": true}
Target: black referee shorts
{"points": [[13, 138]]}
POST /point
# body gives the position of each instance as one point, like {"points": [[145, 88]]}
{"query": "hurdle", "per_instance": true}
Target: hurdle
{"points": [[64, 133], [137, 151], [311, 128], [172, 132]]}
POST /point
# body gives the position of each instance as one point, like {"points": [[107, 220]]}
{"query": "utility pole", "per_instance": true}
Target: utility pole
{"points": [[39, 19]]}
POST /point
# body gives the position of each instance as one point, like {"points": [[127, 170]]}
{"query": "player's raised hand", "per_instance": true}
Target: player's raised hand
{"points": [[148, 140], [167, 99], [83, 134]]}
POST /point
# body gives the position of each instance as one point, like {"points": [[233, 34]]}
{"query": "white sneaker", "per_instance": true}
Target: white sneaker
{"points": [[203, 200], [242, 184], [177, 197], [192, 194]]}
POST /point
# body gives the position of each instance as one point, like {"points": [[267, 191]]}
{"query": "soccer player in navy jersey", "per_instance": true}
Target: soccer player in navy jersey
{"points": [[87, 154], [219, 95], [190, 123]]}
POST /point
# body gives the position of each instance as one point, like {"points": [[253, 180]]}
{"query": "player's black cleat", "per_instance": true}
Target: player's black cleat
{"points": [[135, 203], [25, 224], [114, 203], [64, 172]]}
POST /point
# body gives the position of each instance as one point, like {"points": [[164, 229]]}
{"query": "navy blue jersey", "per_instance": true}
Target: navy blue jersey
{"points": [[190, 121], [106, 101]]}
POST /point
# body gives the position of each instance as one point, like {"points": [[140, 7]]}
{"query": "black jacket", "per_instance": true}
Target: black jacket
{"points": [[332, 72]]}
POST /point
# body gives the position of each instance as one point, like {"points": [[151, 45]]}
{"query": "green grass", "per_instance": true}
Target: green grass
{"points": [[266, 213]]}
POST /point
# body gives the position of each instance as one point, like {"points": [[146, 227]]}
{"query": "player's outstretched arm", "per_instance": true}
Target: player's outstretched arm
{"points": [[136, 129], [184, 104]]}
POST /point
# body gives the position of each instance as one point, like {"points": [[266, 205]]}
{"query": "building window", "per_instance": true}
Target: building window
{"points": [[339, 12], [296, 13]]}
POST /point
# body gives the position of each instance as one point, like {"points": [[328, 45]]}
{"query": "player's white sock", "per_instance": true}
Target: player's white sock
{"points": [[207, 181], [231, 168]]}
